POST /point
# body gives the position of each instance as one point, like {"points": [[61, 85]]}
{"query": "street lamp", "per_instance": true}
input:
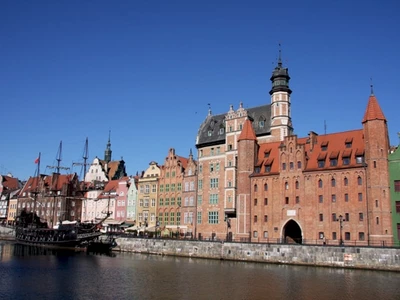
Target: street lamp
{"points": [[145, 226], [341, 227], [157, 225]]}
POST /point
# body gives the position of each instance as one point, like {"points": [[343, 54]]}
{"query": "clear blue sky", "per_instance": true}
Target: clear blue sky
{"points": [[147, 70]]}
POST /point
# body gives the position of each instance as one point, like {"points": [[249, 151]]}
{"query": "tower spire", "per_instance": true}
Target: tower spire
{"points": [[108, 152], [372, 86], [280, 56]]}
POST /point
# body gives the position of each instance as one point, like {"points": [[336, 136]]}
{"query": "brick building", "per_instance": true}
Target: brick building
{"points": [[258, 181], [394, 174]]}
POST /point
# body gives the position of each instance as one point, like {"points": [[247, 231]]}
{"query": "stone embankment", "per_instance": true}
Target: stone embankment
{"points": [[326, 256]]}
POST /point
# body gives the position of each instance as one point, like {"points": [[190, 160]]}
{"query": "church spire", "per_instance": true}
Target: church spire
{"points": [[280, 77], [107, 152], [374, 110]]}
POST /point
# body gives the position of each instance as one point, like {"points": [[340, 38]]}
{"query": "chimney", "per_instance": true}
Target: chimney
{"points": [[312, 139]]}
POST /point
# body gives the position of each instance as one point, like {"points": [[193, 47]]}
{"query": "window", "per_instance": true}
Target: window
{"points": [[217, 167], [265, 201], [333, 162], [167, 187], [346, 161], [334, 237], [297, 185], [334, 217], [320, 184], [347, 236], [219, 148], [361, 217], [346, 197], [212, 151], [214, 199], [333, 198], [397, 186], [265, 218], [321, 235], [359, 159], [200, 168], [377, 220], [291, 165], [267, 169], [347, 217], [200, 184], [153, 188], [376, 203], [147, 189], [266, 187], [320, 198], [286, 185], [213, 217], [179, 187], [255, 234], [397, 206], [211, 167], [374, 164], [359, 180], [299, 165], [283, 166], [297, 199], [209, 133], [360, 197], [255, 202], [173, 174], [255, 188], [199, 199], [255, 219], [199, 217], [213, 182], [361, 236], [173, 187], [321, 217], [346, 181], [321, 163], [286, 200], [230, 147], [333, 182], [221, 131], [265, 234], [261, 124]]}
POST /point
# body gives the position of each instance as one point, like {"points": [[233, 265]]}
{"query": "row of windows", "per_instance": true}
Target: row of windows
{"points": [[320, 184], [168, 218], [168, 202], [172, 186]]}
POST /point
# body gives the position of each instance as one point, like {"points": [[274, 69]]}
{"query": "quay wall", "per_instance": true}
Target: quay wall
{"points": [[324, 256], [7, 233]]}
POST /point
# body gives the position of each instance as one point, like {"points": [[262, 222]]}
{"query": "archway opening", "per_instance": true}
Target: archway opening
{"points": [[292, 233]]}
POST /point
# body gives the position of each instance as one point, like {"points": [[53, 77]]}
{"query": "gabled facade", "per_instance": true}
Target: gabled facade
{"points": [[148, 192], [107, 200], [394, 174], [170, 190], [91, 207], [122, 199], [189, 195], [132, 199], [8, 186]]}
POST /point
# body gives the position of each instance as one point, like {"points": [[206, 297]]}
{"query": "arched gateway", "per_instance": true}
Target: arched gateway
{"points": [[292, 232]]}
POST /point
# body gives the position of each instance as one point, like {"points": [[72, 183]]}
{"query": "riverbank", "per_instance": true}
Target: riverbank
{"points": [[371, 258]]}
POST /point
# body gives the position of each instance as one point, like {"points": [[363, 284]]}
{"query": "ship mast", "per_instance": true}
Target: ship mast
{"points": [[85, 158], [37, 177]]}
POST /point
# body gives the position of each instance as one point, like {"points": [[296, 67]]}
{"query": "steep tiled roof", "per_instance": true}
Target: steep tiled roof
{"points": [[183, 160], [10, 183], [373, 111], [247, 132], [268, 155], [53, 182], [110, 187], [339, 145]]}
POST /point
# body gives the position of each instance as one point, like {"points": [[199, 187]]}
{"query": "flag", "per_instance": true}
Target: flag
{"points": [[37, 160]]}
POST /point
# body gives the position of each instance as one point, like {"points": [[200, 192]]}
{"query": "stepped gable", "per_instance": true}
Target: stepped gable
{"points": [[373, 111]]}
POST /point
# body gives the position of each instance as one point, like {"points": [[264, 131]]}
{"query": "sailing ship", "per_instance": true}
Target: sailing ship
{"points": [[32, 230]]}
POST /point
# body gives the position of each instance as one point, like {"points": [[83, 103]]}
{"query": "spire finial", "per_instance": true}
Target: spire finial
{"points": [[209, 109], [372, 87], [280, 55]]}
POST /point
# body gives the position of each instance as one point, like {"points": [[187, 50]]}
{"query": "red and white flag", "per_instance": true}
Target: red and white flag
{"points": [[37, 160]]}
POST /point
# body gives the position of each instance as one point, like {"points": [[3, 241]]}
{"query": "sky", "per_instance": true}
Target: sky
{"points": [[148, 71]]}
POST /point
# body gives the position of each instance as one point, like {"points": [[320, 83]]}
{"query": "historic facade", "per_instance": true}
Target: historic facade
{"points": [[170, 191], [132, 199], [189, 197], [258, 181]]}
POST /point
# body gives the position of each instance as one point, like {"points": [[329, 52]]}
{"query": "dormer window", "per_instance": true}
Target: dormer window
{"points": [[348, 143], [209, 133], [257, 170], [261, 124], [346, 157], [221, 131], [324, 146], [321, 160], [360, 159], [266, 153]]}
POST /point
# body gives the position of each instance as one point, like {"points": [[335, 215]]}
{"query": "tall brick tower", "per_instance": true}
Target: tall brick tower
{"points": [[377, 170], [247, 155], [281, 122]]}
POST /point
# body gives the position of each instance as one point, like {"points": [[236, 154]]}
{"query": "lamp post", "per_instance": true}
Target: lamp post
{"points": [[341, 227], [145, 226], [157, 225]]}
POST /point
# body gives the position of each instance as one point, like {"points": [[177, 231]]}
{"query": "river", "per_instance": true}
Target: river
{"points": [[35, 273]]}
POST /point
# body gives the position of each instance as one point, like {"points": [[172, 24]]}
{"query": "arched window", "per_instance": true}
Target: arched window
{"points": [[346, 181], [297, 185], [359, 180], [255, 188], [333, 182], [266, 187], [320, 183], [286, 185]]}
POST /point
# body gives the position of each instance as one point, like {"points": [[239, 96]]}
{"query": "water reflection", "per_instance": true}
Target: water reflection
{"points": [[27, 273]]}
